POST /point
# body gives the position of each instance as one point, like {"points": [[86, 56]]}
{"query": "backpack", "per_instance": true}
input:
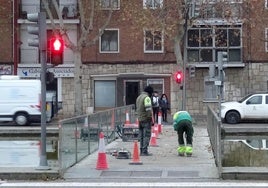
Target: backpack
{"points": [[155, 101]]}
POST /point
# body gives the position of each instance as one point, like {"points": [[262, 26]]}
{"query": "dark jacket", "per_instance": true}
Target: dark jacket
{"points": [[164, 104]]}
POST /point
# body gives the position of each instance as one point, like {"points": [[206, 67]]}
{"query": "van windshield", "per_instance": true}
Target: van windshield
{"points": [[244, 98]]}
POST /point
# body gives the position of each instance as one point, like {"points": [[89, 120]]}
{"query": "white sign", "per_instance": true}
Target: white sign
{"points": [[34, 72]]}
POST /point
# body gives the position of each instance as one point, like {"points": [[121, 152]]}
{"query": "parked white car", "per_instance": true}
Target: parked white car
{"points": [[252, 106]]}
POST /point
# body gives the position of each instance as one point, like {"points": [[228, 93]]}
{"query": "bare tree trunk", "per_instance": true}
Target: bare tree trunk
{"points": [[78, 109]]}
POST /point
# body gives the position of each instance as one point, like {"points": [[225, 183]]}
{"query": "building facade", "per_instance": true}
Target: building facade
{"points": [[123, 61]]}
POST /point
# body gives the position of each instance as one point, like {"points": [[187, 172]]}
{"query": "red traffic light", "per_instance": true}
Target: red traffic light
{"points": [[55, 50], [178, 77], [57, 45]]}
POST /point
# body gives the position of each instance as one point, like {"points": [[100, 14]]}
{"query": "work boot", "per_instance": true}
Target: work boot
{"points": [[181, 150], [145, 153], [188, 151]]}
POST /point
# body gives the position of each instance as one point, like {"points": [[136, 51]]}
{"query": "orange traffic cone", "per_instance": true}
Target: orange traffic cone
{"points": [[127, 118], [153, 139], [156, 130], [136, 156], [159, 122], [102, 162]]}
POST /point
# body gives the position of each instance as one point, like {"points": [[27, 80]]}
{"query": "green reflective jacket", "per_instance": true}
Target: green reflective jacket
{"points": [[180, 117], [144, 107]]}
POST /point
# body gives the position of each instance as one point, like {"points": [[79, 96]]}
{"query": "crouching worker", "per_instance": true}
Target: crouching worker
{"points": [[182, 123]]}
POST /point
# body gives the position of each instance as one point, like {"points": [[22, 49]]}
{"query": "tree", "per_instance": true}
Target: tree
{"points": [[87, 11]]}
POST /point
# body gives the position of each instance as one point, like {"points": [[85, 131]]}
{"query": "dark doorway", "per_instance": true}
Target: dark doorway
{"points": [[132, 92]]}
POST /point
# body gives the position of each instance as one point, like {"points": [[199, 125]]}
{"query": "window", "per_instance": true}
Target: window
{"points": [[107, 4], [109, 41], [104, 94], [266, 39], [153, 41], [255, 100], [152, 4], [216, 9], [204, 43], [157, 85], [51, 8]]}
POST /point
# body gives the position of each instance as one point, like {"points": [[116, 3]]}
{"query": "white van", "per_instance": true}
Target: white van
{"points": [[20, 100]]}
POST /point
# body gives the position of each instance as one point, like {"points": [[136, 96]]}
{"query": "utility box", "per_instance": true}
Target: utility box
{"points": [[130, 132]]}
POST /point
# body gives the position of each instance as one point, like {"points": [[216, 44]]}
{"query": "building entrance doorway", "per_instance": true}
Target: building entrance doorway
{"points": [[132, 89]]}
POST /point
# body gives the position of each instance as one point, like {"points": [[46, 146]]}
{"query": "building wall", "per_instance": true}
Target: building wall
{"points": [[238, 83], [236, 153], [95, 69], [6, 32]]}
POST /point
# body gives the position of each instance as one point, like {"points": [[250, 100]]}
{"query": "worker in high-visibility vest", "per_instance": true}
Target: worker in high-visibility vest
{"points": [[145, 117], [182, 123]]}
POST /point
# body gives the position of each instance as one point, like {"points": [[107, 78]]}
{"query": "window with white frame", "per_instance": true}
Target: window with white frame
{"points": [[107, 4], [266, 4], [266, 39], [152, 4], [51, 8], [204, 42], [109, 41], [210, 8], [157, 85], [153, 41]]}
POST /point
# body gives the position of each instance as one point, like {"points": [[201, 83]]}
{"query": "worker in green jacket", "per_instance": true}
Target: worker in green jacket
{"points": [[182, 123], [145, 117]]}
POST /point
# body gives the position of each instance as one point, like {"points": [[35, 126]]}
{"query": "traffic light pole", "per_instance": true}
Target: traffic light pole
{"points": [[43, 165], [185, 58], [220, 79], [40, 29]]}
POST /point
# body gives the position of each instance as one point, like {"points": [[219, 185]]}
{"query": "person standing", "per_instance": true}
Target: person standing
{"points": [[164, 106], [182, 123], [155, 101], [145, 117]]}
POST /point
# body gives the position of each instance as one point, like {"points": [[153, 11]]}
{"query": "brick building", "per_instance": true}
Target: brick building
{"points": [[117, 67], [7, 32]]}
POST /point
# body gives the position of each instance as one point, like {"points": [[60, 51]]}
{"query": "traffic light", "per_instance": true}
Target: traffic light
{"points": [[222, 59], [178, 77], [56, 48], [38, 29], [192, 71]]}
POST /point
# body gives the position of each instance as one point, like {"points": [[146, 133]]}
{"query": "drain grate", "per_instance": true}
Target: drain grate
{"points": [[180, 174], [154, 174], [131, 173], [115, 173], [146, 174]]}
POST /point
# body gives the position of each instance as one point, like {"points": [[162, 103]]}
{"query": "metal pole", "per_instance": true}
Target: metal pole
{"points": [[185, 58], [42, 49]]}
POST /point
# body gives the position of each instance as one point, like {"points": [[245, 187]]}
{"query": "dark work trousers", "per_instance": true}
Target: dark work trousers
{"points": [[144, 136], [187, 128], [155, 112], [164, 114]]}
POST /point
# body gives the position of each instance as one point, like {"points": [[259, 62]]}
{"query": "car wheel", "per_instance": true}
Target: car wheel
{"points": [[21, 119], [232, 117]]}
